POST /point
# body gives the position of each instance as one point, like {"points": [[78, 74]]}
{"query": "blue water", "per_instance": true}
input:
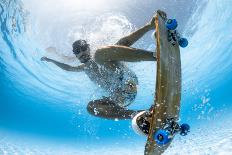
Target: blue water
{"points": [[41, 103]]}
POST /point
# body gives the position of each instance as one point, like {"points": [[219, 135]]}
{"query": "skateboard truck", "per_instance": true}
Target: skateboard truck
{"points": [[173, 37], [171, 127]]}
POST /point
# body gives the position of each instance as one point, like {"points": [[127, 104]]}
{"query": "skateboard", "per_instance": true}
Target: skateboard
{"points": [[165, 110]]}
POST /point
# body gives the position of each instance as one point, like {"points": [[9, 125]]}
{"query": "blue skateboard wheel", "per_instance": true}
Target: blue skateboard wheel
{"points": [[184, 129], [183, 42], [161, 137], [171, 24]]}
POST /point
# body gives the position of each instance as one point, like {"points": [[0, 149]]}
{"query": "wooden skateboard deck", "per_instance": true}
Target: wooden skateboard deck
{"points": [[168, 85]]}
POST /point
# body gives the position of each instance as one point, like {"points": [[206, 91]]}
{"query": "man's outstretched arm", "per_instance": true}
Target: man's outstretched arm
{"points": [[133, 37], [64, 66]]}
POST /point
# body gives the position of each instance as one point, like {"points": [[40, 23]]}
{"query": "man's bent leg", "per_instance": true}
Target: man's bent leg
{"points": [[106, 108]]}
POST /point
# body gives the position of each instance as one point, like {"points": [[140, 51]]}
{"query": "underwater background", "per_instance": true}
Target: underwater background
{"points": [[43, 108]]}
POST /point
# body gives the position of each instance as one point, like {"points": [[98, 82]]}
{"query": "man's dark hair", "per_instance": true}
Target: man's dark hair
{"points": [[79, 45]]}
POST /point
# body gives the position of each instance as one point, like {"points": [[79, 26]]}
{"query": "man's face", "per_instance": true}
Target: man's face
{"points": [[82, 53]]}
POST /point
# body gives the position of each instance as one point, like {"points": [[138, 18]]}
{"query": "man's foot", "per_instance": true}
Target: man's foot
{"points": [[141, 123]]}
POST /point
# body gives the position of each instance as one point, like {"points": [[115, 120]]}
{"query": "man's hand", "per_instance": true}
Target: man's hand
{"points": [[162, 14], [151, 24], [45, 59]]}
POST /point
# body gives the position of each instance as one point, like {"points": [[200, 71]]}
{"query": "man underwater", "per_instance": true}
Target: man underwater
{"points": [[106, 69]]}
